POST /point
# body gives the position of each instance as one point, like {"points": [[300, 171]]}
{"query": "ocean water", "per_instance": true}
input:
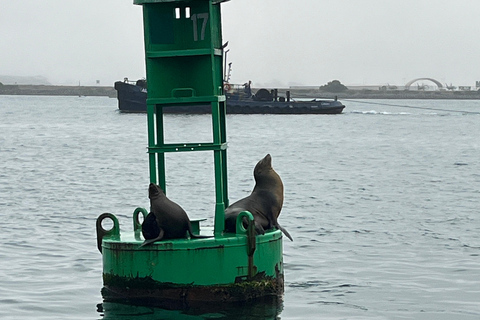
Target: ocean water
{"points": [[382, 202]]}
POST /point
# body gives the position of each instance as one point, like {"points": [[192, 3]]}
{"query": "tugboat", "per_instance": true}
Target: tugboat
{"points": [[132, 97], [241, 100]]}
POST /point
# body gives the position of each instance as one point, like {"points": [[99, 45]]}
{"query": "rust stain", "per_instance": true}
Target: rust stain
{"points": [[118, 288]]}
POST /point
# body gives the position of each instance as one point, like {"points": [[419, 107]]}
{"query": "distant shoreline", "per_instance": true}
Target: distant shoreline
{"points": [[377, 94], [50, 90]]}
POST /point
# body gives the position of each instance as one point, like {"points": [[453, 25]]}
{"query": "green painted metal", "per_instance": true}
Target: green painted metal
{"points": [[241, 262], [161, 1], [184, 60], [184, 56], [210, 261]]}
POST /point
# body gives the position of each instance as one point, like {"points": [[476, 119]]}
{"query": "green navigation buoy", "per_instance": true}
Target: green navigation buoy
{"points": [[184, 59]]}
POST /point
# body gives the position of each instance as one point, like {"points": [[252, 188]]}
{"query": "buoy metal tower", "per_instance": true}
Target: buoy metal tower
{"points": [[184, 60]]}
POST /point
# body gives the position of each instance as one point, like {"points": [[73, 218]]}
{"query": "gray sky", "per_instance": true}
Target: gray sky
{"points": [[271, 42]]}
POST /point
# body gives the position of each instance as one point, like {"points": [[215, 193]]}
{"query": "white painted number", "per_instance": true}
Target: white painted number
{"points": [[196, 17]]}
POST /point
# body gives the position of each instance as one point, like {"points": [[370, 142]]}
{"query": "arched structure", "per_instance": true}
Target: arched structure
{"points": [[409, 83]]}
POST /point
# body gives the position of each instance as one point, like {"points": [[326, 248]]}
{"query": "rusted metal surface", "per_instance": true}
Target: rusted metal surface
{"points": [[138, 290]]}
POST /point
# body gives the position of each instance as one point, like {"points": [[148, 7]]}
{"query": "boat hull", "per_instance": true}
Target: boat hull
{"points": [[303, 107], [132, 98]]}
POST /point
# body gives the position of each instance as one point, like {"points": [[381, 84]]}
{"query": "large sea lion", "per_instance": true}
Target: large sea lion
{"points": [[264, 203], [166, 220]]}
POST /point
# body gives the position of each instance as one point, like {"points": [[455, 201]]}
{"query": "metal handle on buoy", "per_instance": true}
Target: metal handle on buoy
{"points": [[250, 231], [101, 232], [240, 229], [251, 239], [137, 226]]}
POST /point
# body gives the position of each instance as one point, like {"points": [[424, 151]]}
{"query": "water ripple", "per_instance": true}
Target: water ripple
{"points": [[382, 204]]}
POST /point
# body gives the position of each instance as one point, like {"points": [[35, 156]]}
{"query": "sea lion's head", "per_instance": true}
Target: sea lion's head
{"points": [[154, 191], [263, 166], [268, 180], [265, 176]]}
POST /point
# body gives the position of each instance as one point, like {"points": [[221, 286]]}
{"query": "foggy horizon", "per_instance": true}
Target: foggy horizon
{"points": [[272, 43]]}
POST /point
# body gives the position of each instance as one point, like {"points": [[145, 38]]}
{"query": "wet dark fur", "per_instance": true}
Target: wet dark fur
{"points": [[166, 220], [265, 202]]}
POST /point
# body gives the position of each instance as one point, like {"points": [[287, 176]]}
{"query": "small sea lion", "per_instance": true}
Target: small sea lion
{"points": [[264, 203], [150, 228], [166, 220]]}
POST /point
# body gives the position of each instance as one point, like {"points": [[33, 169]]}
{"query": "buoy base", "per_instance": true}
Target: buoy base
{"points": [[230, 267], [145, 290]]}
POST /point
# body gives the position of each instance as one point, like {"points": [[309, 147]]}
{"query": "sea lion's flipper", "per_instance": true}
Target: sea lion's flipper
{"points": [[285, 232], [259, 228], [149, 241], [195, 236]]}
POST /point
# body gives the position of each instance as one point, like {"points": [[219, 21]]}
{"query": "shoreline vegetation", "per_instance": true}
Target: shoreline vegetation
{"points": [[296, 93]]}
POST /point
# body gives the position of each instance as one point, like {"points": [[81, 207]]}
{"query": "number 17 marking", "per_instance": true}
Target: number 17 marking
{"points": [[194, 18]]}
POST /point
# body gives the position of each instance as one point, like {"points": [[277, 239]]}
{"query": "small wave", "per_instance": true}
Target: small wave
{"points": [[319, 283], [308, 284], [380, 112], [348, 305], [387, 113]]}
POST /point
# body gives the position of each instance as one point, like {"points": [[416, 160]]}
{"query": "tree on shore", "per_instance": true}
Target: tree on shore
{"points": [[334, 86]]}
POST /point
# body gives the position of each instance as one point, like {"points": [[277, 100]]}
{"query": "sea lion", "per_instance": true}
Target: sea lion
{"points": [[150, 228], [166, 220], [264, 203]]}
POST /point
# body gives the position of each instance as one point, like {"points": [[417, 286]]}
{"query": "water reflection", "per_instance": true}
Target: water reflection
{"points": [[266, 309]]}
